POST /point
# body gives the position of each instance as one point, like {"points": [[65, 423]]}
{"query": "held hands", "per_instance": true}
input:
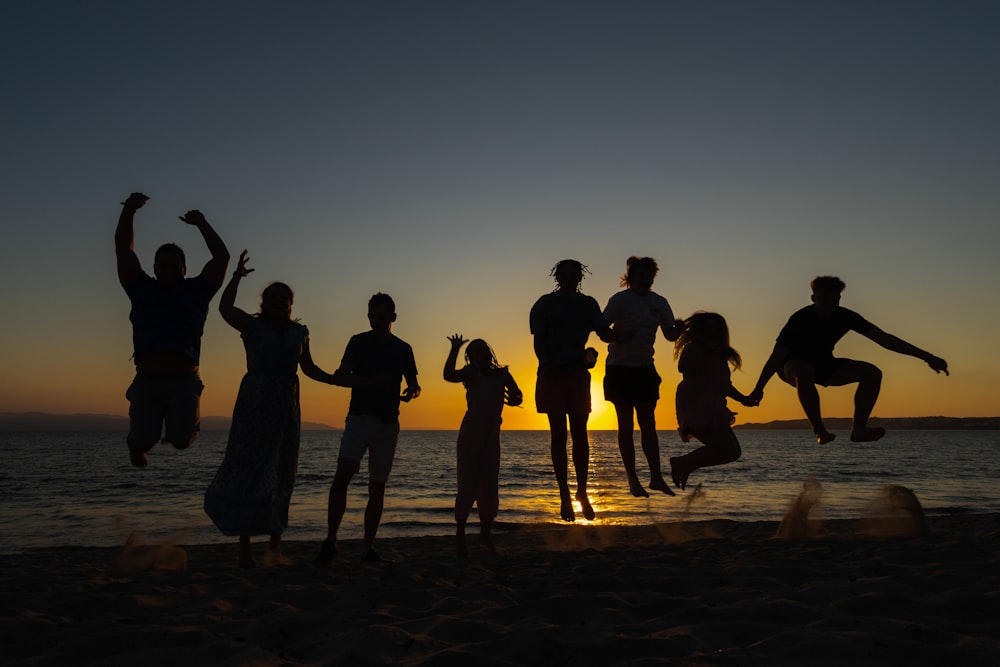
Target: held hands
{"points": [[938, 364], [457, 341], [754, 398], [194, 217], [135, 201]]}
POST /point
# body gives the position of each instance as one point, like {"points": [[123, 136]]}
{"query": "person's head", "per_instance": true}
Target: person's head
{"points": [[168, 263], [276, 302], [640, 272], [381, 312], [826, 291], [569, 274], [711, 330], [479, 353]]}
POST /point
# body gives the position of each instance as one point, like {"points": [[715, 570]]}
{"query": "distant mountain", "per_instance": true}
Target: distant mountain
{"points": [[42, 421], [929, 423]]}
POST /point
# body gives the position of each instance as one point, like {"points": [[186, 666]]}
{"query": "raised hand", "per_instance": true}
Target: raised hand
{"points": [[135, 201], [241, 265], [457, 341], [193, 217]]}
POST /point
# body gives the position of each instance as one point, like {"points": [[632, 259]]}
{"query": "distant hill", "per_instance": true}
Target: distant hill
{"points": [[42, 421], [929, 423]]}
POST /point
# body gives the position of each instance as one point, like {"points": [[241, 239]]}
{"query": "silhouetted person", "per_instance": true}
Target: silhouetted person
{"points": [[631, 382], [704, 356], [803, 357], [252, 489], [168, 318], [374, 366], [488, 385], [561, 322]]}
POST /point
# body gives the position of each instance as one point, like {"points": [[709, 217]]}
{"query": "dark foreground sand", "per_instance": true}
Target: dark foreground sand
{"points": [[680, 594]]}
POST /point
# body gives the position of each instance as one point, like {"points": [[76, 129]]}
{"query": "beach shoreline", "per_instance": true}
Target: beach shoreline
{"points": [[711, 592]]}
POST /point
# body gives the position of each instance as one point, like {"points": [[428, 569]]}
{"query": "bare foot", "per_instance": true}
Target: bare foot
{"points": [[486, 539], [661, 485], [635, 488], [138, 459], [823, 437], [566, 510], [588, 511], [678, 473], [867, 434]]}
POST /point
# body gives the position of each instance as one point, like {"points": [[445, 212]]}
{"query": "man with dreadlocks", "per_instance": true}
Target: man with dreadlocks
{"points": [[561, 322]]}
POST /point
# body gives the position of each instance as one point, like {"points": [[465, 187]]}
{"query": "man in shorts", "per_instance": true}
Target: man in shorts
{"points": [[374, 366], [561, 322], [168, 319], [803, 357]]}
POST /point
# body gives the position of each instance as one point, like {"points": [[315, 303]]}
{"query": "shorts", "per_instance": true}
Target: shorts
{"points": [[563, 392], [163, 406], [823, 370], [366, 432], [631, 385]]}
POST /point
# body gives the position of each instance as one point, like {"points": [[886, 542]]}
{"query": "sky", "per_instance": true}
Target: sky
{"points": [[450, 153]]}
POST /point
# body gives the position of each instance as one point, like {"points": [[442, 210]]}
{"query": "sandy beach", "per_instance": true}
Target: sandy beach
{"points": [[705, 593]]}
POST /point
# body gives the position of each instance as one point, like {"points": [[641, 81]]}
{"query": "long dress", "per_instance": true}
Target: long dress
{"points": [[252, 489], [478, 460]]}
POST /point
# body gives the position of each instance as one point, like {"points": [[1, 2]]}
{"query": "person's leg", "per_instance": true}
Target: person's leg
{"points": [[720, 446], [557, 448], [626, 446], [869, 379], [145, 414], [646, 417], [182, 419], [373, 516], [801, 375], [273, 556], [335, 509], [581, 460]]}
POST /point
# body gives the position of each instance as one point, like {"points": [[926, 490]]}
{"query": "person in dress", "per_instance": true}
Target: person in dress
{"points": [[252, 489], [488, 385], [631, 382], [704, 357]]}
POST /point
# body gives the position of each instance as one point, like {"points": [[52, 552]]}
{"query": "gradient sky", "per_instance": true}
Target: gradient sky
{"points": [[449, 153]]}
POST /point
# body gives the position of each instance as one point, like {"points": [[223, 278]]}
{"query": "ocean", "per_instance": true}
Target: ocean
{"points": [[78, 489]]}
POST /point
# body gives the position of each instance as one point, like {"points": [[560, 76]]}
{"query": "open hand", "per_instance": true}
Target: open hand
{"points": [[457, 341], [241, 265]]}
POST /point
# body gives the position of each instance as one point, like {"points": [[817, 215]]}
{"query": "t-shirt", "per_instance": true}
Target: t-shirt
{"points": [[367, 356], [812, 338], [642, 314], [563, 323], [169, 318]]}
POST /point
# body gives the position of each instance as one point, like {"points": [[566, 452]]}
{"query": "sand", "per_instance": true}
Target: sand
{"points": [[707, 593]]}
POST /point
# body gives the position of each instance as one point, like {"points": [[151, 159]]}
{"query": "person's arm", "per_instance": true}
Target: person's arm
{"points": [[777, 359], [512, 393], [673, 330], [233, 316], [215, 269], [451, 372], [735, 394], [309, 367], [129, 267], [895, 344]]}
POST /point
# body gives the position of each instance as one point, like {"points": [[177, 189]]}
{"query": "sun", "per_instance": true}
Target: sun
{"points": [[602, 413]]}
